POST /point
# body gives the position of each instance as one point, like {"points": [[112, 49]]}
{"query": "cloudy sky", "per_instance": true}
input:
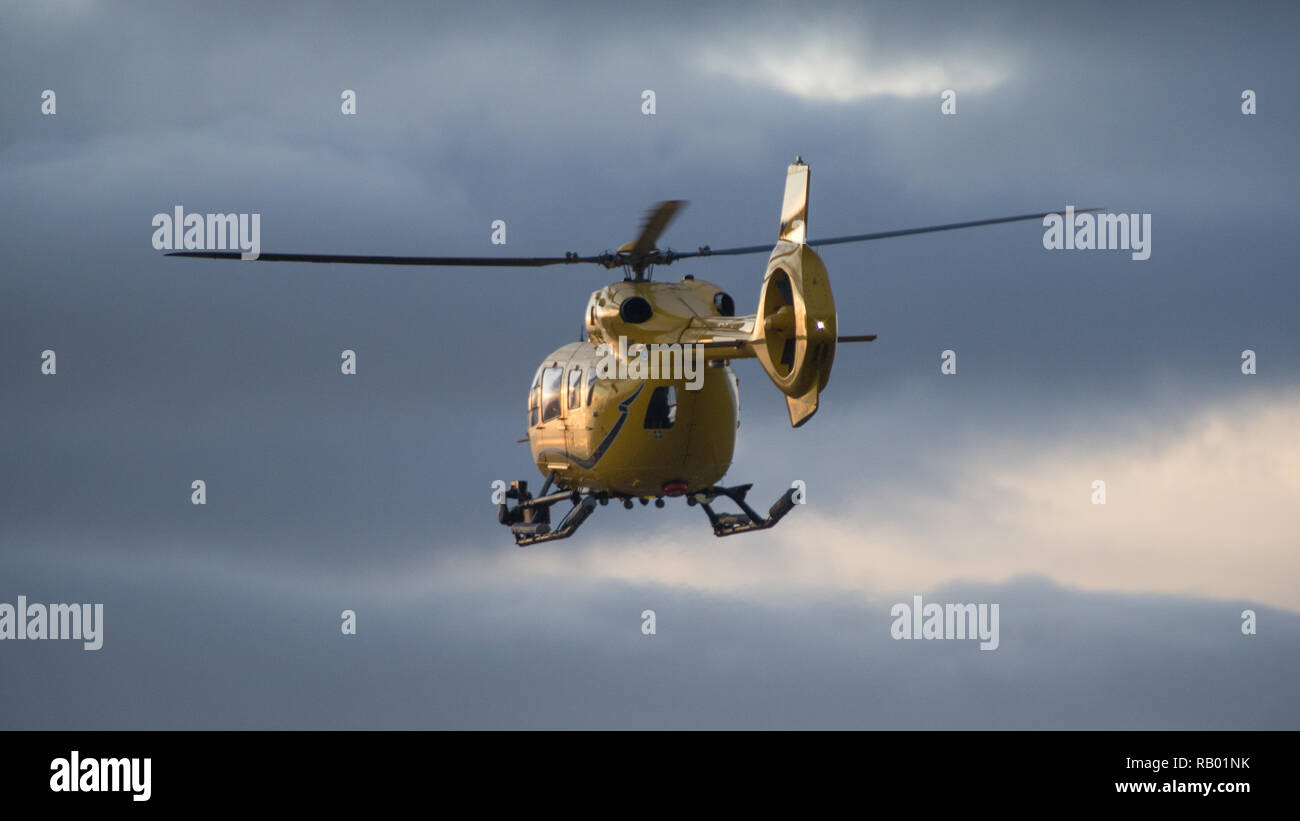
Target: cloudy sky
{"points": [[371, 492]]}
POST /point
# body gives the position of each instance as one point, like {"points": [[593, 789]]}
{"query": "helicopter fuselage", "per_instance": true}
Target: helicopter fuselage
{"points": [[636, 437]]}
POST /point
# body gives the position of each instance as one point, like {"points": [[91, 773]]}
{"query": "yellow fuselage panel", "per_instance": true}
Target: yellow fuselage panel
{"points": [[611, 435]]}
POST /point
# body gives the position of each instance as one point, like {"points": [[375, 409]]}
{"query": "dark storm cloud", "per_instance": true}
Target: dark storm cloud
{"points": [[568, 656], [166, 112], [448, 140], [173, 370]]}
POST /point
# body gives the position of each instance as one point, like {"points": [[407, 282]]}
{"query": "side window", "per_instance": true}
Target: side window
{"points": [[591, 384], [575, 388], [535, 399], [551, 378], [662, 410]]}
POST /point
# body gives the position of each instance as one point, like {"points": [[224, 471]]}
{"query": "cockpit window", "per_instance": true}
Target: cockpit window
{"points": [[591, 384], [551, 378], [535, 399], [662, 410]]}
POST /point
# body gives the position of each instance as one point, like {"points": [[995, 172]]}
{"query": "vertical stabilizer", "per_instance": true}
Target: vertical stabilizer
{"points": [[794, 210]]}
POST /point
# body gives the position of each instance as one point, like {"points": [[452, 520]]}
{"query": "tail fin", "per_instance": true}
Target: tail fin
{"points": [[793, 333], [794, 208]]}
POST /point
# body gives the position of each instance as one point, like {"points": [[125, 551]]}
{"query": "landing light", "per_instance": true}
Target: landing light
{"points": [[674, 488]]}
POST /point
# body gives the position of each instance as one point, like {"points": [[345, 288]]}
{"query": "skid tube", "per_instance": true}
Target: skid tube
{"points": [[729, 524], [530, 519]]}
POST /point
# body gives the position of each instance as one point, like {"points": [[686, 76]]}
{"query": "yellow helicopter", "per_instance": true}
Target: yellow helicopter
{"points": [[647, 406]]}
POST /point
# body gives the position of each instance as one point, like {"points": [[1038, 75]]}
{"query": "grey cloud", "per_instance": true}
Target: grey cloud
{"points": [[173, 370]]}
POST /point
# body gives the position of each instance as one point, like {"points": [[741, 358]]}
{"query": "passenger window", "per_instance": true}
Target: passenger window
{"points": [[591, 384], [575, 388], [662, 411], [551, 379]]}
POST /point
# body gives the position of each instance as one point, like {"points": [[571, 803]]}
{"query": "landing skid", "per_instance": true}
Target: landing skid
{"points": [[530, 519], [729, 524]]}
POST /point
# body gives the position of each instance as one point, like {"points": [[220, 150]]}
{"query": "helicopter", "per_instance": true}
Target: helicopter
{"points": [[600, 428]]}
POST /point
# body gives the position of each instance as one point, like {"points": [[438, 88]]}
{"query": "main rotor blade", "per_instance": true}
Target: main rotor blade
{"points": [[949, 227], [643, 251], [754, 249], [518, 262], [656, 220]]}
